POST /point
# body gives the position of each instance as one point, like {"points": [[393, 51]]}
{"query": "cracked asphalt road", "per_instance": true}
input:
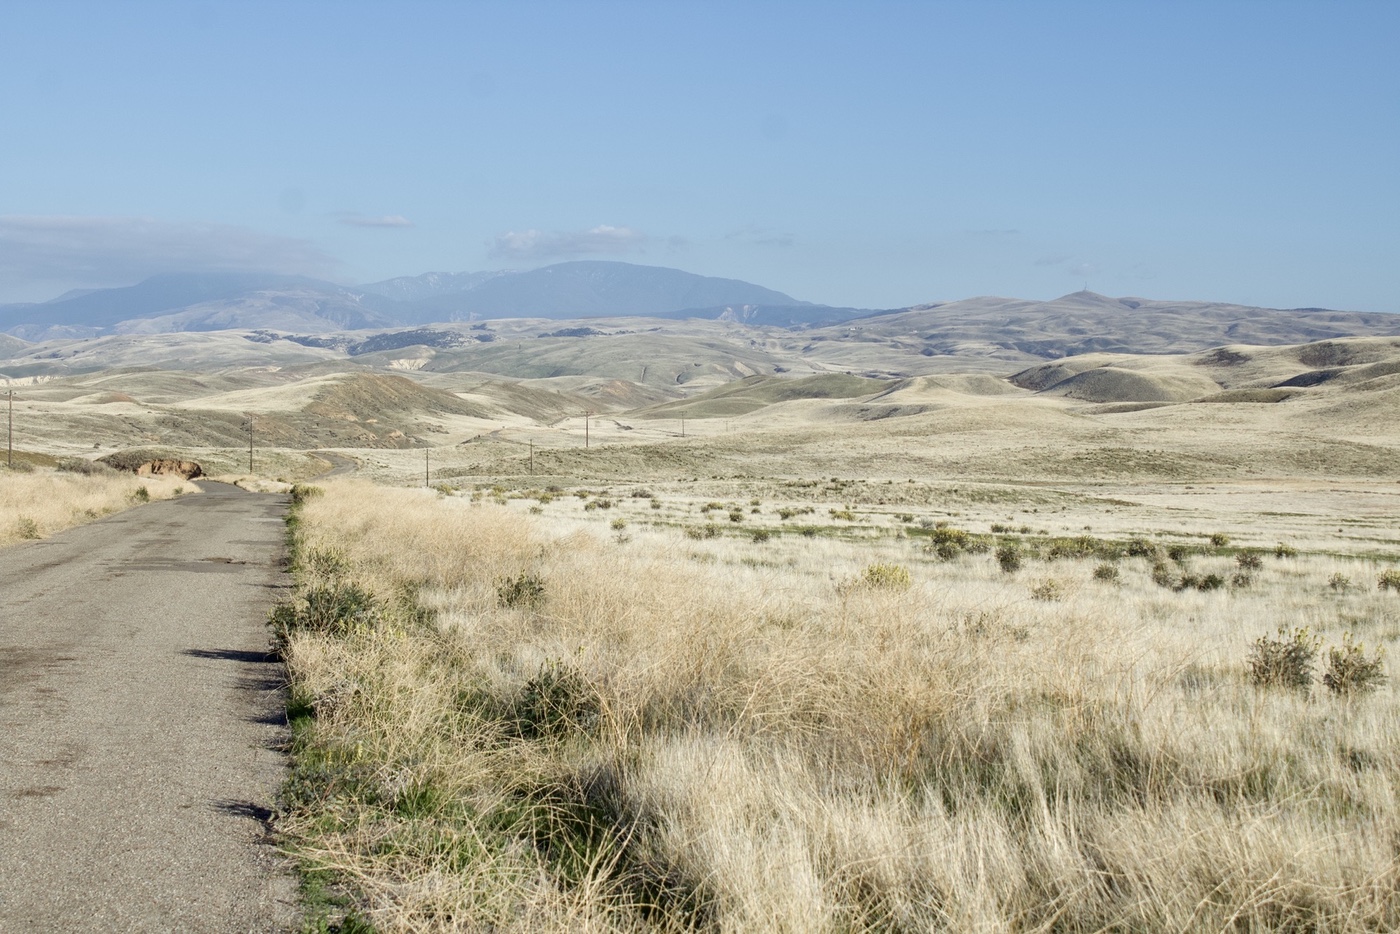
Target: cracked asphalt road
{"points": [[140, 720]]}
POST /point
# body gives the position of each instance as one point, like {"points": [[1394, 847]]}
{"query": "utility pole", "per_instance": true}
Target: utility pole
{"points": [[586, 416], [532, 457], [250, 444], [682, 426], [10, 434], [425, 468]]}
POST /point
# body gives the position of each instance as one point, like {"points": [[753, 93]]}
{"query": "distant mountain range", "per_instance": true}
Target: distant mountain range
{"points": [[214, 302], [1000, 330]]}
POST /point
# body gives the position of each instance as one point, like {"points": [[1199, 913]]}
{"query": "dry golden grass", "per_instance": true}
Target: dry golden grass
{"points": [[731, 735], [38, 503]]}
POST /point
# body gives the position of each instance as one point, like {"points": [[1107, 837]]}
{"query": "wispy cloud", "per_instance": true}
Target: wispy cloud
{"points": [[761, 236], [542, 245], [385, 220], [80, 250]]}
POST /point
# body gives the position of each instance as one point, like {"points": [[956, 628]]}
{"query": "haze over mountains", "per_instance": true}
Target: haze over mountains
{"points": [[223, 301], [651, 325]]}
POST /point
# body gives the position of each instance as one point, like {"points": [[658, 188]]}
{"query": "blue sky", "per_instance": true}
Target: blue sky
{"points": [[866, 154]]}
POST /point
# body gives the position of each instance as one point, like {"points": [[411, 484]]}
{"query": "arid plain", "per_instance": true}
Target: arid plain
{"points": [[691, 625]]}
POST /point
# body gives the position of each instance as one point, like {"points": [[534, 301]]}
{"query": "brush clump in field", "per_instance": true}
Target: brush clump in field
{"points": [[1285, 660], [1351, 671], [676, 745]]}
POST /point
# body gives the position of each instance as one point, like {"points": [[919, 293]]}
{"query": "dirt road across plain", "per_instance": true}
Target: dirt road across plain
{"points": [[139, 721]]}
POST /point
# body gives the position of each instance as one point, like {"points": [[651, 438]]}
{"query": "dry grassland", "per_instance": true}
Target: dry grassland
{"points": [[579, 721], [40, 502]]}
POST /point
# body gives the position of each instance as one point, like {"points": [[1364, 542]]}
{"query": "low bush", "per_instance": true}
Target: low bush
{"points": [[1389, 580], [880, 576], [1009, 557], [1285, 661], [523, 590], [1249, 561], [1282, 550], [1339, 581], [1220, 540], [759, 536], [1107, 572], [1350, 672], [557, 701]]}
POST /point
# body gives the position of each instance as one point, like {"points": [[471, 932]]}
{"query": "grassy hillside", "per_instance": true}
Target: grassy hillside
{"points": [[587, 718]]}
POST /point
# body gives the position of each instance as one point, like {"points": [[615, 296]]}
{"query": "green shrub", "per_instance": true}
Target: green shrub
{"points": [[1242, 579], [736, 515], [618, 524], [557, 701], [1210, 582], [656, 504], [524, 590], [1082, 546], [302, 492], [705, 531], [1389, 580], [1107, 572], [336, 609], [1163, 575], [1339, 581], [141, 495], [1009, 557], [880, 576], [711, 507], [1282, 550], [844, 514], [759, 536], [808, 531], [26, 528], [1350, 672], [1220, 540], [1179, 552], [1047, 590], [1286, 661], [1249, 561], [1141, 548]]}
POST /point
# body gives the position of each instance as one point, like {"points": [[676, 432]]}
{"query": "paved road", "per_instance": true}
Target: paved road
{"points": [[139, 720]]}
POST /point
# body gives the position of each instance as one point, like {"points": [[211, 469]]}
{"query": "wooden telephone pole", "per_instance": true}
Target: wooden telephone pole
{"points": [[10, 434], [250, 443]]}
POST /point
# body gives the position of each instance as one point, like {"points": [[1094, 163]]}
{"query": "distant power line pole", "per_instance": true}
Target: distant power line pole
{"points": [[425, 468], [532, 457], [10, 434], [586, 417], [250, 444]]}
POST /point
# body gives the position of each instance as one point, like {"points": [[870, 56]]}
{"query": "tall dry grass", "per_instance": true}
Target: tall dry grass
{"points": [[40, 502], [738, 736]]}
